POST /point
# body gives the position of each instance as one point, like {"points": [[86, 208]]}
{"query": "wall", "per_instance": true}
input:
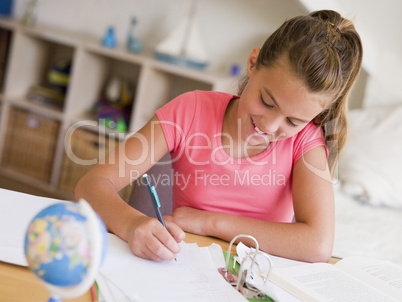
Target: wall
{"points": [[384, 86], [229, 28]]}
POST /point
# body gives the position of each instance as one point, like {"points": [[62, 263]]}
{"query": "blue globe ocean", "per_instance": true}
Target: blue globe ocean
{"points": [[58, 244]]}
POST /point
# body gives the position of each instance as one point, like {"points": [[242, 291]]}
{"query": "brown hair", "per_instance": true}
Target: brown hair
{"points": [[325, 52]]}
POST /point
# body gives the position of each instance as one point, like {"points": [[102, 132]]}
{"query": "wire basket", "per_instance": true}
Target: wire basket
{"points": [[30, 144], [86, 149]]}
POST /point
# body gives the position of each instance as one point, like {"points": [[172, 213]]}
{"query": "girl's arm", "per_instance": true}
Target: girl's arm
{"points": [[310, 238], [100, 186]]}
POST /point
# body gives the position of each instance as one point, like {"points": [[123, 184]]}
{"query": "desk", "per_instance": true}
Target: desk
{"points": [[19, 284]]}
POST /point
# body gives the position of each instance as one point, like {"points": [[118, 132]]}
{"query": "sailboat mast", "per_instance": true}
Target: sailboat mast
{"points": [[190, 23]]}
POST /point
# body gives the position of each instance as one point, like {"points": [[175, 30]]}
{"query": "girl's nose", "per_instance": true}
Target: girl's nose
{"points": [[271, 123]]}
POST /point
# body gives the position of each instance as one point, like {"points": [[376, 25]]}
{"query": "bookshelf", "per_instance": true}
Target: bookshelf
{"points": [[33, 136]]}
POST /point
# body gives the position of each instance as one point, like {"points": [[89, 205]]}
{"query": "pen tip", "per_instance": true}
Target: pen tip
{"points": [[145, 175]]}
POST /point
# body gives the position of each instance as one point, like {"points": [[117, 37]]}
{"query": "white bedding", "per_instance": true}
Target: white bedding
{"points": [[370, 165], [363, 229], [369, 193]]}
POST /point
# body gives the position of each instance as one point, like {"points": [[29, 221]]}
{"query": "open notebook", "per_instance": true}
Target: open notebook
{"points": [[193, 277]]}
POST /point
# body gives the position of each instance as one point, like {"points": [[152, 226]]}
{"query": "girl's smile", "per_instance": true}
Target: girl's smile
{"points": [[258, 130]]}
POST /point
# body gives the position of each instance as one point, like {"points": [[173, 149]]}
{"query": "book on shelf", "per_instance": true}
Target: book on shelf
{"points": [[350, 279]]}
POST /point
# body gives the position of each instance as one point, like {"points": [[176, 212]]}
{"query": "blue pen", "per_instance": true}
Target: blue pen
{"points": [[155, 199]]}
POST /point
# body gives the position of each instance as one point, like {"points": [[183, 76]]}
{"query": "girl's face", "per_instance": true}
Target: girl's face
{"points": [[274, 105]]}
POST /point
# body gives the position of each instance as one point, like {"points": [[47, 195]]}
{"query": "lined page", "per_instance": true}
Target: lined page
{"points": [[193, 277]]}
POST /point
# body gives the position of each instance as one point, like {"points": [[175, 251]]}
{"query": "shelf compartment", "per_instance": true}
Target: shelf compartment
{"points": [[29, 145], [157, 88], [90, 79], [30, 62], [83, 149]]}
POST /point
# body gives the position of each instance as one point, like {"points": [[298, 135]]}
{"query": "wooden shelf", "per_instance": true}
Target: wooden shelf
{"points": [[33, 51]]}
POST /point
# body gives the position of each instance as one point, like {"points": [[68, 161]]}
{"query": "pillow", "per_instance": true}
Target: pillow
{"points": [[370, 165]]}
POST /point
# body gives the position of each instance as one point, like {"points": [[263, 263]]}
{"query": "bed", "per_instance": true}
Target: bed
{"points": [[368, 190]]}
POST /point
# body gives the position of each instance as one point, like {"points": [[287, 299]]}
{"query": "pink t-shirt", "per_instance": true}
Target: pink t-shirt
{"points": [[206, 177]]}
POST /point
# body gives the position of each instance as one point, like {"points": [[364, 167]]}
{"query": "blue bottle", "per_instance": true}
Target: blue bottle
{"points": [[133, 44], [110, 39]]}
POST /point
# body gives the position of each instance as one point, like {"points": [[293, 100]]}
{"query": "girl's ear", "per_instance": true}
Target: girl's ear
{"points": [[252, 60]]}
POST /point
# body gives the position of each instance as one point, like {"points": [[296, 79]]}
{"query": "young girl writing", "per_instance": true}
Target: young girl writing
{"points": [[258, 163]]}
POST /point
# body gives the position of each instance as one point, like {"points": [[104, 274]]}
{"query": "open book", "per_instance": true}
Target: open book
{"points": [[351, 279]]}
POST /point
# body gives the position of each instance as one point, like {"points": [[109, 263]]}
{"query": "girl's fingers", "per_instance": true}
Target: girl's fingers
{"points": [[167, 239], [153, 241], [176, 232]]}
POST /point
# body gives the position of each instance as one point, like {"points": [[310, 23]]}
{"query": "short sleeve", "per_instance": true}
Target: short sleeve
{"points": [[310, 137], [176, 118]]}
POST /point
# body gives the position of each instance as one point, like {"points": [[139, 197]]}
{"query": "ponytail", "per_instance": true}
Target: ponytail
{"points": [[325, 52]]}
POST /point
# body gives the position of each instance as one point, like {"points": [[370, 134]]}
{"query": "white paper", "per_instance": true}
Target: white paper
{"points": [[215, 250], [194, 277], [324, 282], [109, 292], [382, 275], [16, 212]]}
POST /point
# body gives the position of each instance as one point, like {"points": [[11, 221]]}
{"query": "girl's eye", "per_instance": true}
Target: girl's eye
{"points": [[265, 104], [291, 123]]}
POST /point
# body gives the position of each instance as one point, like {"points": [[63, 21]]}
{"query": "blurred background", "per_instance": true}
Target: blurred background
{"points": [[228, 30], [231, 28], [63, 62]]}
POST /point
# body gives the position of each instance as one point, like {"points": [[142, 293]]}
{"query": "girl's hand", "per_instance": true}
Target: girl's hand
{"points": [[149, 239], [190, 220]]}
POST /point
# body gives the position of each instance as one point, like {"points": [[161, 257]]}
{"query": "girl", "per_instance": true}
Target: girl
{"points": [[258, 163]]}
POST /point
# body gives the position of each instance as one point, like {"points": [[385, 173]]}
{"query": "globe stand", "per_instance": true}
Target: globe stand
{"points": [[54, 299]]}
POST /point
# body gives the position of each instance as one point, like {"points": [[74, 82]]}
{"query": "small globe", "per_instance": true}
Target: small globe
{"points": [[65, 245]]}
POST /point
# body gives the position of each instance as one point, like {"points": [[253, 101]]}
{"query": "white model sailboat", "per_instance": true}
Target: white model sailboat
{"points": [[183, 46]]}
